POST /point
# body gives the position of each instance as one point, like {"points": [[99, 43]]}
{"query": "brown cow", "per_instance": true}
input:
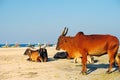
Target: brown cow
{"points": [[39, 55], [82, 45]]}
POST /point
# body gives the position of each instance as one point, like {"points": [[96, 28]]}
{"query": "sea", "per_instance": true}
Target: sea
{"points": [[23, 45]]}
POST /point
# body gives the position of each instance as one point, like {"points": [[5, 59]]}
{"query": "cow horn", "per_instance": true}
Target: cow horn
{"points": [[64, 31]]}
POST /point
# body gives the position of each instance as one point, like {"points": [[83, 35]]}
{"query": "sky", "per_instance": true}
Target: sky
{"points": [[42, 21]]}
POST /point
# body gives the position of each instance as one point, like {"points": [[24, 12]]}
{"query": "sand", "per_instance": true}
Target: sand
{"points": [[14, 66]]}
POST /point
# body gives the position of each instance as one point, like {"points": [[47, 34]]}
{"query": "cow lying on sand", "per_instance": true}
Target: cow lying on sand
{"points": [[64, 55], [39, 55], [82, 45], [61, 55]]}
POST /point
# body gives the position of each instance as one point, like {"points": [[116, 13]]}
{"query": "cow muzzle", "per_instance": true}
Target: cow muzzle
{"points": [[57, 48]]}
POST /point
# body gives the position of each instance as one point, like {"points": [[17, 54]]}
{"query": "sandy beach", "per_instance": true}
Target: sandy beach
{"points": [[14, 66]]}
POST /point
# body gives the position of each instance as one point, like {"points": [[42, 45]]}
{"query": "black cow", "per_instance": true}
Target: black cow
{"points": [[61, 55]]}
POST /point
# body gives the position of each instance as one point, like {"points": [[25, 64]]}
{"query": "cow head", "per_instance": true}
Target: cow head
{"points": [[62, 40], [27, 51]]}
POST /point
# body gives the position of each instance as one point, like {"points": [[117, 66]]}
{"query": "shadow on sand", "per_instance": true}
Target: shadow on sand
{"points": [[93, 67]]}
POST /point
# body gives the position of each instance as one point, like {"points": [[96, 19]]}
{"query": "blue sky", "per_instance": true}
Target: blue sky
{"points": [[41, 21]]}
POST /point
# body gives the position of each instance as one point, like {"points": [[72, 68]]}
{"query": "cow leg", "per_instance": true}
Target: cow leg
{"points": [[117, 58], [92, 59], [39, 59], [84, 63], [45, 59], [111, 55], [119, 66], [75, 60], [118, 63]]}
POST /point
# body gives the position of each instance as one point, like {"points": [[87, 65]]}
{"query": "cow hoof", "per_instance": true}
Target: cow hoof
{"points": [[108, 72], [119, 70], [83, 73], [75, 62], [28, 59]]}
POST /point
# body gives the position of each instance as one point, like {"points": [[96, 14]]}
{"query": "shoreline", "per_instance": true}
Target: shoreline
{"points": [[23, 45]]}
